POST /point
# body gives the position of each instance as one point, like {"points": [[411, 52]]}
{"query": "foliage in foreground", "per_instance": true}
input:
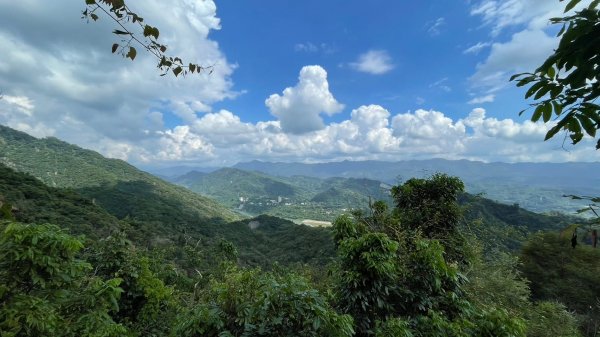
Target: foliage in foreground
{"points": [[567, 83]]}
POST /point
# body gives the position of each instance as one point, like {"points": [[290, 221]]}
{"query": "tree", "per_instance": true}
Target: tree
{"points": [[46, 291], [128, 22], [395, 276], [568, 82], [255, 303], [430, 208]]}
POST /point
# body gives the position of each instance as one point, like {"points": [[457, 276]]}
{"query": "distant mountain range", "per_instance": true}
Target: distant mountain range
{"points": [[295, 197], [536, 186]]}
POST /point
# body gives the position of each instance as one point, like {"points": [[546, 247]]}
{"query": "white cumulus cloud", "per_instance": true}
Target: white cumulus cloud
{"points": [[299, 108], [84, 94]]}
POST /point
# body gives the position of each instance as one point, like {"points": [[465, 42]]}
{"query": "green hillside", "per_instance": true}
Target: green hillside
{"points": [[118, 187], [30, 201], [295, 197], [267, 239], [228, 185], [260, 241]]}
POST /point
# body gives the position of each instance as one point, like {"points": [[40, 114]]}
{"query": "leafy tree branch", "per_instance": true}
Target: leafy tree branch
{"points": [[568, 82], [132, 30]]}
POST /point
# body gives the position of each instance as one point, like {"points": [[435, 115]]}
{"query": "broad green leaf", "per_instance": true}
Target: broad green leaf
{"points": [[177, 71], [571, 4], [537, 113], [147, 30], [132, 53], [574, 125], [555, 91], [557, 108], [543, 90], [552, 132], [588, 125], [533, 89], [547, 112]]}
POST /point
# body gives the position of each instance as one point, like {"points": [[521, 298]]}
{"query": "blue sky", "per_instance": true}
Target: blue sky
{"points": [[306, 81], [334, 33]]}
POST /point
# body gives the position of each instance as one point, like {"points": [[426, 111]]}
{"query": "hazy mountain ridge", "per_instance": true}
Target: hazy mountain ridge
{"points": [[295, 197], [535, 186], [495, 223]]}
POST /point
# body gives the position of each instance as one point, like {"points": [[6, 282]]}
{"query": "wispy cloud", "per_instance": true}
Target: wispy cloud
{"points": [[306, 47], [482, 99], [375, 62], [441, 84], [309, 47], [476, 48], [433, 28]]}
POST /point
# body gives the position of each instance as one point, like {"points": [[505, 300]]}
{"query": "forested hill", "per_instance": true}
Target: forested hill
{"points": [[113, 184], [536, 186], [299, 197], [261, 241], [296, 197], [28, 200]]}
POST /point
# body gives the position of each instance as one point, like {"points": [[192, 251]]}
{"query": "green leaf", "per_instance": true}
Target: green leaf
{"points": [[533, 89], [120, 32], [114, 47], [576, 137], [557, 108], [571, 4], [574, 125], [90, 2], [537, 113], [547, 112], [132, 53], [552, 132], [551, 73], [588, 125], [555, 91], [177, 71], [147, 31], [94, 16], [525, 80], [515, 76]]}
